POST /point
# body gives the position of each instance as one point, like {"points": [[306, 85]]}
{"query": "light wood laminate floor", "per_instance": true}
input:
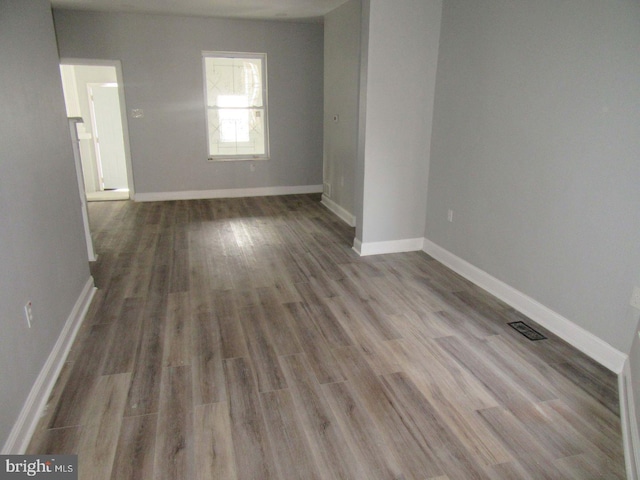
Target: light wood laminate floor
{"points": [[244, 339]]}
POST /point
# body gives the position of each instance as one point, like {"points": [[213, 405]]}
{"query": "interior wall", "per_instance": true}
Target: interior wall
{"points": [[362, 117], [43, 254], [535, 148], [341, 87], [162, 70], [401, 62]]}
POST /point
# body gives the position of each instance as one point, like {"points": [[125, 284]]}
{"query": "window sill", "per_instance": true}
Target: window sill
{"points": [[237, 159]]}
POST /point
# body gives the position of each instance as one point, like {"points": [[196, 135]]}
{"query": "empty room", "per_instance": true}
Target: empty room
{"points": [[332, 239]]}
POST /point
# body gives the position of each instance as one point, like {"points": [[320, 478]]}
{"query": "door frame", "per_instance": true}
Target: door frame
{"points": [[123, 108], [94, 128], [73, 123]]}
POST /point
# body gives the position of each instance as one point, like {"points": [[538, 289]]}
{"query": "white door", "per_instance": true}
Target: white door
{"points": [[107, 130]]}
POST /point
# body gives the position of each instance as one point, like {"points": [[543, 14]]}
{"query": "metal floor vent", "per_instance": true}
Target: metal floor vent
{"points": [[527, 331]]}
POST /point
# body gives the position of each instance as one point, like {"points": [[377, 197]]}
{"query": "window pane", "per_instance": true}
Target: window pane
{"points": [[236, 104], [236, 131], [239, 77]]}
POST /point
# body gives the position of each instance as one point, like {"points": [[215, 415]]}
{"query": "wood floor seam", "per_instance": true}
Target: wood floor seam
{"points": [[244, 339]]}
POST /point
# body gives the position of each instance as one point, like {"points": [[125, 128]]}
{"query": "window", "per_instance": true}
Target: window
{"points": [[236, 103]]}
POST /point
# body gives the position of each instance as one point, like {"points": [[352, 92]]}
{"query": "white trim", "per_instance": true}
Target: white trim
{"points": [[391, 246], [36, 402], [577, 336], [264, 107], [108, 195], [629, 421], [344, 215], [73, 130], [357, 246], [227, 193]]}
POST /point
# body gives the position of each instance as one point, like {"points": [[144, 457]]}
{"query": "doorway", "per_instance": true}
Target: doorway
{"points": [[108, 143], [93, 93]]}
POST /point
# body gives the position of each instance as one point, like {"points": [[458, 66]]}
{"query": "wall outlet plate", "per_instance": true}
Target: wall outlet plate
{"points": [[28, 313]]}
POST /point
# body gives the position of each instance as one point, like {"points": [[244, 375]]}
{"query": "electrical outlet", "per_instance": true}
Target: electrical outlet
{"points": [[28, 313], [450, 215], [327, 189], [635, 298]]}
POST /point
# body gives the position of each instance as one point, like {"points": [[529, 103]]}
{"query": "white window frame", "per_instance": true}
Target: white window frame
{"points": [[253, 56]]}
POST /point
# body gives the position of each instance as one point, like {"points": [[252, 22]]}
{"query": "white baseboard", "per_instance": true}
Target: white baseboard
{"points": [[33, 407], [347, 217], [108, 195], [578, 337], [629, 421], [227, 193], [392, 246], [357, 246]]}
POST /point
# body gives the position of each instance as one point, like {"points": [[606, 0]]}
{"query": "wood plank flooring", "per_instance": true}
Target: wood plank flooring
{"points": [[243, 339]]}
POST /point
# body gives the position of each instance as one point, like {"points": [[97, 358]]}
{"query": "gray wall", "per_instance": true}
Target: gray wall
{"points": [[162, 73], [536, 148], [401, 61], [341, 87], [43, 257]]}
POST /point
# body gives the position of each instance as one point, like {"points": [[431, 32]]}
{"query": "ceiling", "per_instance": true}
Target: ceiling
{"points": [[300, 10]]}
